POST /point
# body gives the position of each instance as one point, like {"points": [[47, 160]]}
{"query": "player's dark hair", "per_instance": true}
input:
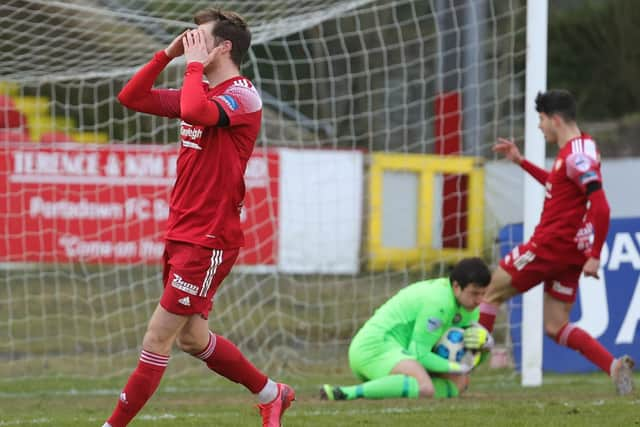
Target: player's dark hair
{"points": [[229, 26], [471, 270], [557, 101]]}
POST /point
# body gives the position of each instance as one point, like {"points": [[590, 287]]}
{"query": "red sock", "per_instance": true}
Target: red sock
{"points": [[488, 313], [577, 339], [224, 358], [142, 383]]}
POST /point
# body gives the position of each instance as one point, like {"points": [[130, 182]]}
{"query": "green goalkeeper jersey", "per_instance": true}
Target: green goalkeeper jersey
{"points": [[416, 318]]}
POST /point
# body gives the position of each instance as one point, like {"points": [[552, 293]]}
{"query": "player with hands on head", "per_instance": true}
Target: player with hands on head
{"points": [[220, 122], [568, 239], [393, 351]]}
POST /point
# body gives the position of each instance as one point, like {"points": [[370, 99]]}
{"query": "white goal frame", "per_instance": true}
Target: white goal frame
{"points": [[536, 80]]}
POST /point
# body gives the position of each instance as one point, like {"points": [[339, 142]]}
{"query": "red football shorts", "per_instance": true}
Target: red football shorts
{"points": [[527, 270], [191, 276]]}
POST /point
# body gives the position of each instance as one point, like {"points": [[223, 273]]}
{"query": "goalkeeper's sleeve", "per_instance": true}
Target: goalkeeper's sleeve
{"points": [[432, 362]]}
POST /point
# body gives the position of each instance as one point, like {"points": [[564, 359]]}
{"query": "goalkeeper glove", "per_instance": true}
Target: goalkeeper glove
{"points": [[462, 368], [476, 337]]}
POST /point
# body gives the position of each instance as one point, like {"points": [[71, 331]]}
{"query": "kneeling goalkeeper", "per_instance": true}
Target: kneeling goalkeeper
{"points": [[392, 352]]}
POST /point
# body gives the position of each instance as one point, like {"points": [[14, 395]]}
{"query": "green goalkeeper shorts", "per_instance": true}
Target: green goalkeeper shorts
{"points": [[373, 355]]}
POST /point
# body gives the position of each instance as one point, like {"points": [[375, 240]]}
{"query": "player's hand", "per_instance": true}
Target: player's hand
{"points": [[195, 48], [462, 368], [176, 47], [591, 267], [508, 149], [476, 337], [471, 358]]}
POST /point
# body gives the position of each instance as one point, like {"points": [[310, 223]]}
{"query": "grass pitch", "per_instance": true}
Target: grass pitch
{"points": [[495, 398]]}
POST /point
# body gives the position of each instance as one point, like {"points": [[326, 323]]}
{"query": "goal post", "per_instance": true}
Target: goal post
{"points": [[536, 81], [85, 182]]}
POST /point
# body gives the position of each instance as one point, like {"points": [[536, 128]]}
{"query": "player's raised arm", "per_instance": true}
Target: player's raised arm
{"points": [[195, 107], [138, 94], [511, 152]]}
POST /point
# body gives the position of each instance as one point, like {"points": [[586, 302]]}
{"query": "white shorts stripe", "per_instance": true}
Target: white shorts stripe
{"points": [[216, 260]]}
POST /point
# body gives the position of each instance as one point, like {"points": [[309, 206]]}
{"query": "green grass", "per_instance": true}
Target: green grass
{"points": [[494, 399], [71, 335]]}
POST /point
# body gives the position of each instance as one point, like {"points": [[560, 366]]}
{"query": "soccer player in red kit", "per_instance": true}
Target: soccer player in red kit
{"points": [[567, 241], [220, 121]]}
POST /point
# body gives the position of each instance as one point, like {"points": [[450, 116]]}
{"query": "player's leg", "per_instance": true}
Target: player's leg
{"points": [[437, 385], [408, 379], [388, 371], [498, 291], [154, 358], [518, 271], [224, 358], [206, 269], [559, 298]]}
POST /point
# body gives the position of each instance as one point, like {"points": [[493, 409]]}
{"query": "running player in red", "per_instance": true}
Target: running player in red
{"points": [[568, 239], [220, 121]]}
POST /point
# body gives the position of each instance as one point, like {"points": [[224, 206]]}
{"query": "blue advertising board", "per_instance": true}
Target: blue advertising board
{"points": [[608, 308]]}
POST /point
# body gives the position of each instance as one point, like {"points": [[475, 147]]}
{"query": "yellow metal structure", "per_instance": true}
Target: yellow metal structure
{"points": [[426, 167]]}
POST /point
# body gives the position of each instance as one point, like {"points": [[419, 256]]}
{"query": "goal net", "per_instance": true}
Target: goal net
{"points": [[378, 121]]}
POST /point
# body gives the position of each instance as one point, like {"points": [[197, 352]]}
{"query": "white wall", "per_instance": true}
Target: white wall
{"points": [[504, 183]]}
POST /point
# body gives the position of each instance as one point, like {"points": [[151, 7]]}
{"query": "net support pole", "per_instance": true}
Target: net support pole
{"points": [[536, 80]]}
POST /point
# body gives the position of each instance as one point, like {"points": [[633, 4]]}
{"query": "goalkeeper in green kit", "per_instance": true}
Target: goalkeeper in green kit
{"points": [[392, 352]]}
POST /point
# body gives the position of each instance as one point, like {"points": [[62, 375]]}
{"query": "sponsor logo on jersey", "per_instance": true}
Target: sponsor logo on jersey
{"points": [[185, 301], [230, 101], [189, 131], [586, 178], [179, 283], [433, 323], [190, 135]]}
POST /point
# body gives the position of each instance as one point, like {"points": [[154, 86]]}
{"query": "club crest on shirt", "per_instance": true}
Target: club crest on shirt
{"points": [[433, 323], [457, 318], [582, 163]]}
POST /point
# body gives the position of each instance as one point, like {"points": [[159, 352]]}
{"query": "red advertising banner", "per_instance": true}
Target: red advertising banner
{"points": [[76, 202]]}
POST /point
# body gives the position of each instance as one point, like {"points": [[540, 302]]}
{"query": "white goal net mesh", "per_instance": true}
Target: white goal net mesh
{"points": [[85, 181]]}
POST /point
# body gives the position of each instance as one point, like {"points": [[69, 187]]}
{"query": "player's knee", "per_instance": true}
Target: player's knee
{"points": [[188, 344], [500, 288], [551, 328], [156, 343]]}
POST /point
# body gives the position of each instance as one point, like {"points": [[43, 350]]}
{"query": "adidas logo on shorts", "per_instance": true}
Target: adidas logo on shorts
{"points": [[185, 301]]}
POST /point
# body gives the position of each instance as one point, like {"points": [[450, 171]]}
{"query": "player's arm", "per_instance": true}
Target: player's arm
{"points": [[138, 94], [429, 327], [583, 171], [195, 107], [511, 152]]}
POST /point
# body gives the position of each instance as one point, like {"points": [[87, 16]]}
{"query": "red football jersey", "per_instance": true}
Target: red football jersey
{"points": [[209, 190], [566, 202]]}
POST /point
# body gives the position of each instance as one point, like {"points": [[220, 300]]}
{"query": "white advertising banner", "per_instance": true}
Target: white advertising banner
{"points": [[320, 208]]}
